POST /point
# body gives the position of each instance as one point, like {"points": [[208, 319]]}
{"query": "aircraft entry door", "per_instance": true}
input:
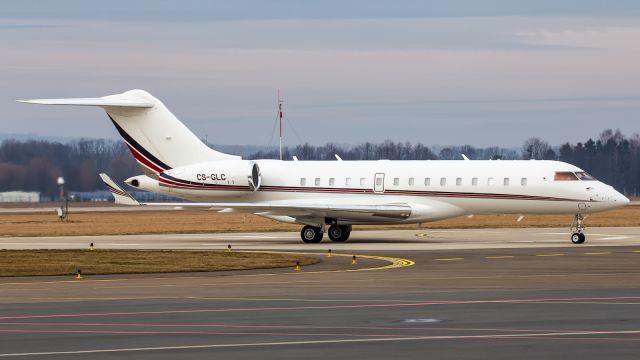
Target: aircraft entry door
{"points": [[378, 183]]}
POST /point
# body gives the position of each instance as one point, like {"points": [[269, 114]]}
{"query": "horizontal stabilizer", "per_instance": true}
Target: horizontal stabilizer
{"points": [[102, 102], [122, 197]]}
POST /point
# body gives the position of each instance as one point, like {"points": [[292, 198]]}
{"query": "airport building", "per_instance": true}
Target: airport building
{"points": [[19, 196]]}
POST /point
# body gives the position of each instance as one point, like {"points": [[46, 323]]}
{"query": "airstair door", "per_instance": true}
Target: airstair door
{"points": [[378, 183]]}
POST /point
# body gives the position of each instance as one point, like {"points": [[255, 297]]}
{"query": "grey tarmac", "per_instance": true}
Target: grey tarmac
{"points": [[487, 293]]}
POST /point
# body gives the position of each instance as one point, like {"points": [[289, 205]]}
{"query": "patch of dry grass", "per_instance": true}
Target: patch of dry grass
{"points": [[159, 222], [67, 262]]}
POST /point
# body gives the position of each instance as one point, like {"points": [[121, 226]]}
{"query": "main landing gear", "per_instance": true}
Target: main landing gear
{"points": [[577, 229], [313, 234], [339, 233]]}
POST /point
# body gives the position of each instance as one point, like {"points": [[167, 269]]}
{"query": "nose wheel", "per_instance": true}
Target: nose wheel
{"points": [[578, 238], [577, 228]]}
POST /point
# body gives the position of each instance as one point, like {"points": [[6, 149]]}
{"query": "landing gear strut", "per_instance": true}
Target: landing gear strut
{"points": [[311, 234], [339, 233], [577, 228]]}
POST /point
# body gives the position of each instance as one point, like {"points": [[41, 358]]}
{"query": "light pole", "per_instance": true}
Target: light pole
{"points": [[64, 205]]}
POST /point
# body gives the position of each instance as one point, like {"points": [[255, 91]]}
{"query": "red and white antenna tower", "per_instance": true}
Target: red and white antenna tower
{"points": [[280, 117]]}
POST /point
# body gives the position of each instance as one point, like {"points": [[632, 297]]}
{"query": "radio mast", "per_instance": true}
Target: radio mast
{"points": [[280, 118]]}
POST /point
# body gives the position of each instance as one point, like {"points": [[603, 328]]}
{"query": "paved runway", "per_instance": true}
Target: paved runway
{"points": [[506, 300], [383, 240]]}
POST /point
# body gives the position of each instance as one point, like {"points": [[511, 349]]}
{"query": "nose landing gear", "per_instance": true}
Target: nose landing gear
{"points": [[577, 228]]}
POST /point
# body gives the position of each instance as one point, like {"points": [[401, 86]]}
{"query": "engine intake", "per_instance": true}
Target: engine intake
{"points": [[230, 175]]}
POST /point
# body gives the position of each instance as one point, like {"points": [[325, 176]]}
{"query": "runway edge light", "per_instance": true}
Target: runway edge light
{"points": [[229, 248], [329, 253], [353, 260], [79, 274], [297, 265]]}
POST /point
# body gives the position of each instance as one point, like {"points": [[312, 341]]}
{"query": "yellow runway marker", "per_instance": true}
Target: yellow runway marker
{"points": [[501, 257], [636, 251], [450, 259], [543, 255], [598, 253]]}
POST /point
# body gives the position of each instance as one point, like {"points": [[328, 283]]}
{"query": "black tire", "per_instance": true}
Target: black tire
{"points": [[311, 234], [339, 233], [577, 238]]}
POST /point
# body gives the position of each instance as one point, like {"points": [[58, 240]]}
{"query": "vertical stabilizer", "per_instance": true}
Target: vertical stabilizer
{"points": [[156, 138]]}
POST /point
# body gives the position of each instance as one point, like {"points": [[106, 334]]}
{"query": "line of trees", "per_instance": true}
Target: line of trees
{"points": [[35, 165]]}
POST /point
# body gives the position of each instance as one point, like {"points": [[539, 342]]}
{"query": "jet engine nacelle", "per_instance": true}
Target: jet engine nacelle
{"points": [[231, 175]]}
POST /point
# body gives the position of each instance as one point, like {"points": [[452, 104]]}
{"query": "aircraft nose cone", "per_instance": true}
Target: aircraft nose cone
{"points": [[623, 199], [619, 199]]}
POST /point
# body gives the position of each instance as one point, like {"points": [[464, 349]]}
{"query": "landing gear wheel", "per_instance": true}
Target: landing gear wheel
{"points": [[578, 238], [577, 227], [311, 234], [339, 233]]}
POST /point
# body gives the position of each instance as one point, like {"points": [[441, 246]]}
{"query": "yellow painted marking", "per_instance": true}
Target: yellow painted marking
{"points": [[549, 254], [450, 259], [394, 264], [636, 251], [501, 257], [421, 235], [598, 253]]}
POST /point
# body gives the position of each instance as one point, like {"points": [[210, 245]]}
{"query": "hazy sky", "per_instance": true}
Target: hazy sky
{"points": [[439, 72]]}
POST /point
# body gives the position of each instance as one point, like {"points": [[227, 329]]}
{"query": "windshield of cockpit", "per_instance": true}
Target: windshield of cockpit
{"points": [[572, 176]]}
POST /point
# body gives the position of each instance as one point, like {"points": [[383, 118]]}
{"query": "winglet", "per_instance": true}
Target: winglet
{"points": [[122, 197]]}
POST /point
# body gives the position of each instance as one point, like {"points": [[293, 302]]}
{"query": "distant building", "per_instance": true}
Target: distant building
{"points": [[19, 196]]}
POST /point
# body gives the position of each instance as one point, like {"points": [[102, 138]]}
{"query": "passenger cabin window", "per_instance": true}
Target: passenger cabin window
{"points": [[363, 181], [317, 182], [523, 181], [427, 181], [347, 181], [303, 181], [506, 181], [474, 182], [396, 181], [443, 181], [332, 181], [490, 181], [458, 181], [411, 181], [379, 181]]}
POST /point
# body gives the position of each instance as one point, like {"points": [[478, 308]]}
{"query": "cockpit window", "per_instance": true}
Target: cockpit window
{"points": [[565, 176], [584, 176], [571, 176]]}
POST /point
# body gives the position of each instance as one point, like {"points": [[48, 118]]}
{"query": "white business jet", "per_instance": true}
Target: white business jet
{"points": [[337, 194]]}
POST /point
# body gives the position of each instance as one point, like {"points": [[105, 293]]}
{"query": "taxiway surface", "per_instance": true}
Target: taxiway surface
{"points": [[505, 300]]}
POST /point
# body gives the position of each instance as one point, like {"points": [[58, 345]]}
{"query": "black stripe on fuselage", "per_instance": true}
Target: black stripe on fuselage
{"points": [[138, 147]]}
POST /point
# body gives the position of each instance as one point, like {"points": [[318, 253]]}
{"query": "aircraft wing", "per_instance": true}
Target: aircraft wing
{"points": [[309, 209], [299, 209]]}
